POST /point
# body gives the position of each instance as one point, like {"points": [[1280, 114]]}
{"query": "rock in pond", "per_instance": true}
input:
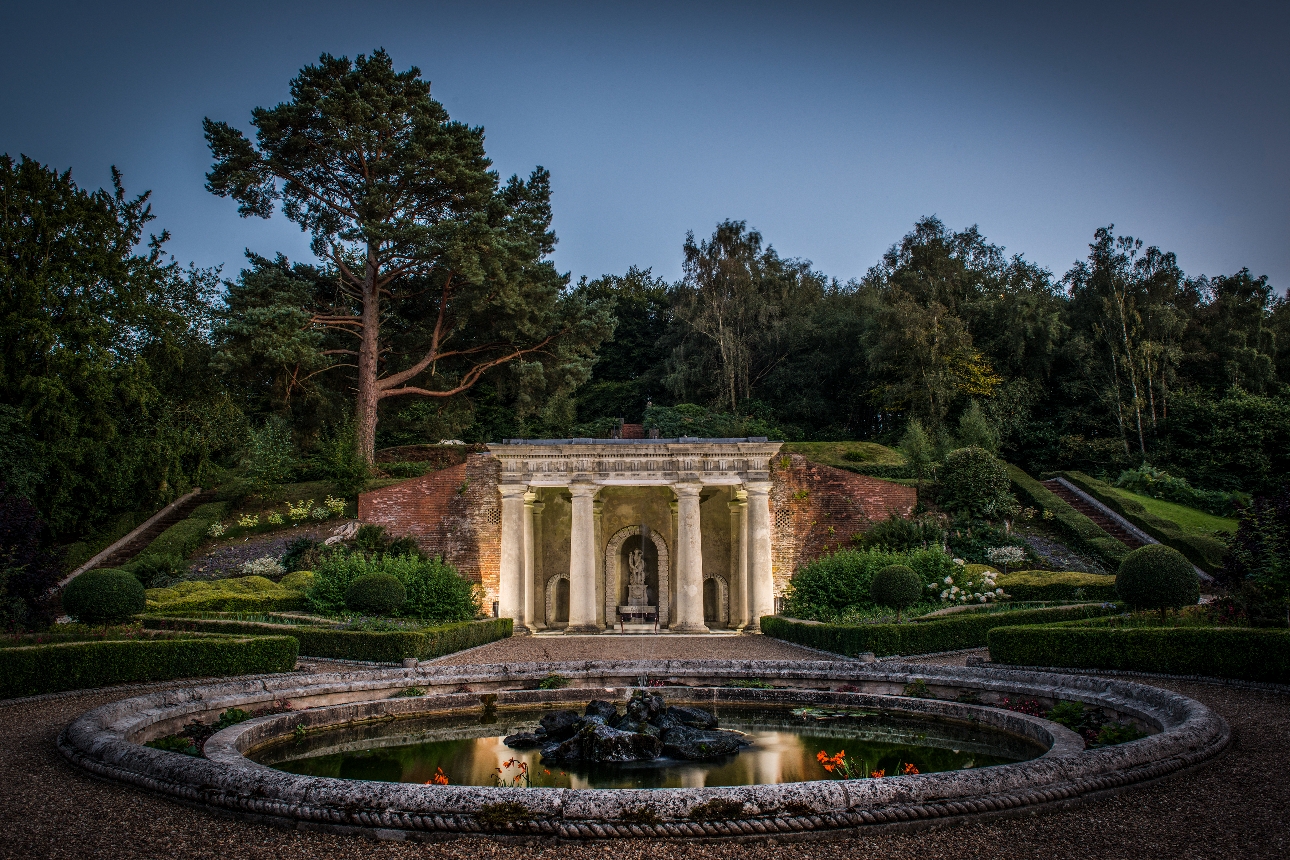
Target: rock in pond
{"points": [[559, 725], [596, 742], [691, 743]]}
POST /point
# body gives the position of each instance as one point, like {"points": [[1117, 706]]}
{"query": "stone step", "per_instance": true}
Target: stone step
{"points": [[1103, 522]]}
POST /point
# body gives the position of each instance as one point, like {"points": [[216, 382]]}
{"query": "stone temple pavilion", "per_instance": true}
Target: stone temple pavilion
{"points": [[586, 535]]}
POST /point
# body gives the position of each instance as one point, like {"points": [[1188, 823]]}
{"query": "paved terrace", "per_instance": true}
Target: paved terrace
{"points": [[1234, 806]]}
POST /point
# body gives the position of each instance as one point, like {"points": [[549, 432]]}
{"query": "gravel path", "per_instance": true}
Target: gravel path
{"points": [[1233, 807], [670, 646]]}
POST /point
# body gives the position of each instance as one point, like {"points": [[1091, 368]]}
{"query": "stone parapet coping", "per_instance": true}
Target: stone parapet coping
{"points": [[106, 741]]}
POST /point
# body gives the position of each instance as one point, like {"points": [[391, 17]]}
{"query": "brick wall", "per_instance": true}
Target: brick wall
{"points": [[815, 509], [454, 512]]}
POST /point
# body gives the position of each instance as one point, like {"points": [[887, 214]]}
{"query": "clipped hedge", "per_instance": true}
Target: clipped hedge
{"points": [[378, 647], [237, 594], [1201, 550], [1243, 653], [183, 538], [966, 630], [48, 668], [1086, 535], [1049, 585]]}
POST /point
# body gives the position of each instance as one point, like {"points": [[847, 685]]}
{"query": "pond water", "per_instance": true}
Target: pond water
{"points": [[784, 748]]}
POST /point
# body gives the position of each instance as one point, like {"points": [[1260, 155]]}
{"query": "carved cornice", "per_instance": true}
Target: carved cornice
{"points": [[645, 464]]}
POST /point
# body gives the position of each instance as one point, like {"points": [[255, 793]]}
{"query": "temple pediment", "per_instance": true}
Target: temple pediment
{"points": [[633, 462]]}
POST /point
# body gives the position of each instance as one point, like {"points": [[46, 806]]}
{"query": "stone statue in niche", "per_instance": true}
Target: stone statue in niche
{"points": [[637, 594]]}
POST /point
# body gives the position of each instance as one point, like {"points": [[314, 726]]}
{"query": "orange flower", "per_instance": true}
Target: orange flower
{"points": [[878, 774], [910, 769], [440, 778]]}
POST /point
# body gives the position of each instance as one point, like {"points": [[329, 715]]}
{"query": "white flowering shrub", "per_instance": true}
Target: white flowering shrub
{"points": [[1006, 555], [216, 530], [248, 521], [266, 566], [968, 584], [335, 505]]}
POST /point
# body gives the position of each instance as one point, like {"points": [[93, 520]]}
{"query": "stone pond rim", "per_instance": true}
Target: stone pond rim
{"points": [[108, 740]]}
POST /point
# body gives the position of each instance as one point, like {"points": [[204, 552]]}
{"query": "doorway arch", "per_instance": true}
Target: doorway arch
{"points": [[557, 587], [613, 572], [716, 600]]}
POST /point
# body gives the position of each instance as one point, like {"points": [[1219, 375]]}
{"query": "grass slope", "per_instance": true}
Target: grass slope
{"points": [[1188, 519]]}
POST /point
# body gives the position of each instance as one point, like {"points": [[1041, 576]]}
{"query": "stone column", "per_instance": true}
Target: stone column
{"points": [[526, 575], [674, 574], [689, 564], [582, 561], [739, 560], [761, 582], [597, 509], [510, 583], [534, 616]]}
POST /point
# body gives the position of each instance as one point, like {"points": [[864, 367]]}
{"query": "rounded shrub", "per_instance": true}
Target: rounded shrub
{"points": [[975, 483], [1157, 577], [104, 597], [376, 594], [897, 586]]}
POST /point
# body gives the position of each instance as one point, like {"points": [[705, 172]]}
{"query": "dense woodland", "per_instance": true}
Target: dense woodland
{"points": [[432, 310]]}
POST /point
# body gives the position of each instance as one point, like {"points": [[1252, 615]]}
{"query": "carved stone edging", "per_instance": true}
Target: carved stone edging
{"points": [[101, 741]]}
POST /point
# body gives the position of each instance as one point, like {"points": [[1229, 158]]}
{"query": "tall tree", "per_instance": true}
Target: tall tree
{"points": [[441, 273]]}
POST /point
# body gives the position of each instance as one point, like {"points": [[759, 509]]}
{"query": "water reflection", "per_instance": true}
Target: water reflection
{"points": [[783, 750]]}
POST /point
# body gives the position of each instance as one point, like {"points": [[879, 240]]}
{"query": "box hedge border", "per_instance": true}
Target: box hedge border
{"points": [[1045, 585], [1241, 653], [377, 647], [1083, 532], [50, 668], [1204, 552], [967, 630]]}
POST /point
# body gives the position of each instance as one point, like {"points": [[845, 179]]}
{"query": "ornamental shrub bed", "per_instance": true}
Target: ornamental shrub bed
{"points": [[1246, 654], [385, 646], [967, 630], [1064, 585], [434, 590], [237, 594], [1083, 532], [28, 670], [833, 585], [183, 538], [1201, 550]]}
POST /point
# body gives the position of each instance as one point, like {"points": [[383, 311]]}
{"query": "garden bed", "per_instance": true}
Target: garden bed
{"points": [[30, 665], [380, 646], [969, 630]]}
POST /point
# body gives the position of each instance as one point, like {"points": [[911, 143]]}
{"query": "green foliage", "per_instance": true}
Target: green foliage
{"points": [[371, 538], [270, 458], [28, 568], [1217, 652], [381, 647], [832, 585], [1149, 481], [896, 586], [1259, 560], [978, 431], [1051, 585], [1240, 441], [917, 449], [375, 594], [972, 540], [435, 591], [245, 594], [687, 419], [182, 539], [974, 483], [103, 596], [34, 669], [157, 571], [553, 682], [1074, 526], [962, 630], [1201, 550], [1157, 577], [298, 580], [897, 534], [231, 717], [342, 460], [107, 404], [302, 554]]}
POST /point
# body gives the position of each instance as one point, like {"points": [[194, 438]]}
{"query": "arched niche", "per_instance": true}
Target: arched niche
{"points": [[614, 573], [717, 591], [553, 599]]}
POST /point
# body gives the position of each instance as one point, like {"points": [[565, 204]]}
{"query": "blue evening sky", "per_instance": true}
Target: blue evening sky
{"points": [[830, 127]]}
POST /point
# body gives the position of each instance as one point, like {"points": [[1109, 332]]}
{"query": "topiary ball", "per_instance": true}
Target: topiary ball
{"points": [[896, 586], [104, 597], [1157, 577], [375, 594]]}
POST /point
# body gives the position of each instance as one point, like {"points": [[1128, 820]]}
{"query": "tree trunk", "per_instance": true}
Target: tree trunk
{"points": [[369, 353]]}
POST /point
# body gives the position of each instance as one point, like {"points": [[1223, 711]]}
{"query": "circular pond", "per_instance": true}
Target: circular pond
{"points": [[784, 745]]}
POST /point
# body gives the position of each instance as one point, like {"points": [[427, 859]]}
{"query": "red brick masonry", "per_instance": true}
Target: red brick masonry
{"points": [[456, 512]]}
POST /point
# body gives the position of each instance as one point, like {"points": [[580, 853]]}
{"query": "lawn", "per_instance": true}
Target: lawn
{"points": [[836, 453], [1188, 519]]}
